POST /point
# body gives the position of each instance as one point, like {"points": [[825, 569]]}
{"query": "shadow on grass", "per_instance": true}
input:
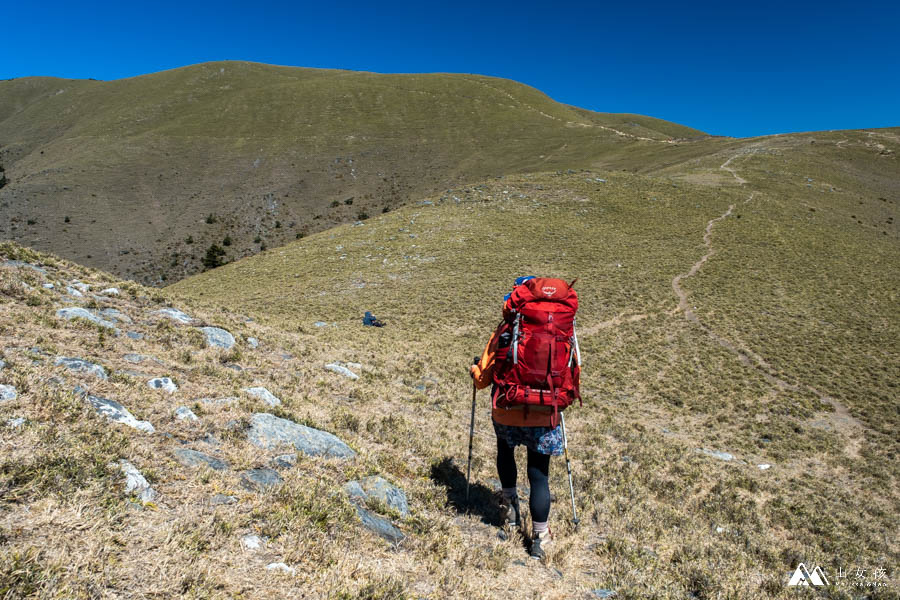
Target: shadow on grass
{"points": [[482, 500]]}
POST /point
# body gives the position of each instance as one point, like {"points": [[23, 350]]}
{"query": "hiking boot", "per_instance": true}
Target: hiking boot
{"points": [[509, 512], [539, 544]]}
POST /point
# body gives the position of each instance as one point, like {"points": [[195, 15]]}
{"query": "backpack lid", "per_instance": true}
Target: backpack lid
{"points": [[542, 289]]}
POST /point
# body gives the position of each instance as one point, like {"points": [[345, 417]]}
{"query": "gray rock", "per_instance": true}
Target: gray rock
{"points": [[7, 392], [116, 315], [234, 367], [218, 337], [81, 287], [183, 413], [252, 542], [220, 499], [341, 370], [110, 291], [20, 264], [73, 292], [76, 312], [163, 383], [378, 488], [379, 525], [253, 342], [2, 365], [134, 335], [604, 593], [81, 366], [764, 466], [175, 315], [264, 395], [192, 458], [135, 358], [284, 461], [48, 286], [260, 480], [716, 454], [320, 324], [117, 413], [136, 484], [281, 568], [15, 422], [268, 431]]}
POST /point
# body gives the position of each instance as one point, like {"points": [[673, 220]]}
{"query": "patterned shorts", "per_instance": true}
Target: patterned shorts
{"points": [[543, 440]]}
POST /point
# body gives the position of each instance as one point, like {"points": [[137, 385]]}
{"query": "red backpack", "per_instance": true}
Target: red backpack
{"points": [[541, 365]]}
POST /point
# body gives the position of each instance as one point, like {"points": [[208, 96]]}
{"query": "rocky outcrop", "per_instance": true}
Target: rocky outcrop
{"points": [[7, 393], [163, 383], [183, 413], [117, 413], [268, 431], [82, 366], [76, 312], [192, 458], [175, 315], [379, 525], [377, 488], [136, 483], [264, 395], [340, 369], [217, 337]]}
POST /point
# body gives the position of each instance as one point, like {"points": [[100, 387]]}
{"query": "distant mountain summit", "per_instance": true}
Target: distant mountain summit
{"points": [[154, 176]]}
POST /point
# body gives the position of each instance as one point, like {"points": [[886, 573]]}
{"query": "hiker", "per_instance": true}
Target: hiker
{"points": [[527, 396]]}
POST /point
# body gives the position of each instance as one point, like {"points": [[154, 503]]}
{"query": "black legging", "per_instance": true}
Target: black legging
{"points": [[538, 473]]}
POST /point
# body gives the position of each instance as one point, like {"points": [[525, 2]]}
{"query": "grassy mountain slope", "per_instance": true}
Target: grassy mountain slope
{"points": [[137, 165], [744, 301], [757, 318]]}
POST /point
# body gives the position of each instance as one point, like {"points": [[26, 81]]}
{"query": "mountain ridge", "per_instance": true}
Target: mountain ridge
{"points": [[146, 159]]}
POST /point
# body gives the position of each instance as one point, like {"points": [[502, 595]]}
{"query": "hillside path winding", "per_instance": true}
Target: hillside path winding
{"points": [[840, 419]]}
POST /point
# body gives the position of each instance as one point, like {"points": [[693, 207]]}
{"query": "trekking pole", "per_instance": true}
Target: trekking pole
{"points": [[471, 435], [569, 469]]}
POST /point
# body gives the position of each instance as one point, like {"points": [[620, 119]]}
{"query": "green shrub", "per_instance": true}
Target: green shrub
{"points": [[215, 257]]}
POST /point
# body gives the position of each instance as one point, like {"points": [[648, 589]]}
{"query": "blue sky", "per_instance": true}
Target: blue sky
{"points": [[728, 68]]}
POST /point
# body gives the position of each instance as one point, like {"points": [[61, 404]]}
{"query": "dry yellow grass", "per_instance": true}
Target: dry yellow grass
{"points": [[659, 518]]}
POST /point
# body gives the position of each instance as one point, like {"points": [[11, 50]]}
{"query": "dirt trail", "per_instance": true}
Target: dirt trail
{"points": [[724, 166], [840, 419], [614, 322], [676, 282]]}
